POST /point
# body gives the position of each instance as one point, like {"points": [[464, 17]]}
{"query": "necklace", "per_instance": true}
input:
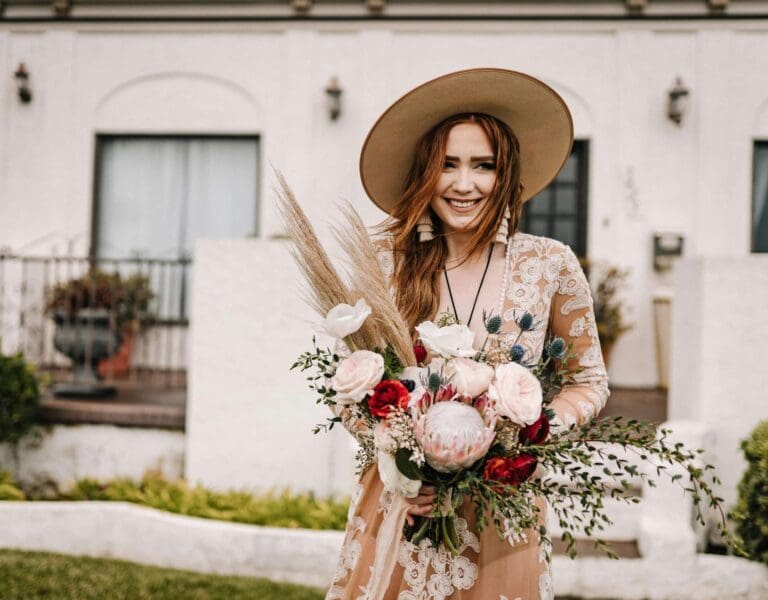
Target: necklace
{"points": [[477, 294]]}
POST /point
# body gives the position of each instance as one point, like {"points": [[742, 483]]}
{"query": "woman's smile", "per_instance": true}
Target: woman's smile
{"points": [[467, 179]]}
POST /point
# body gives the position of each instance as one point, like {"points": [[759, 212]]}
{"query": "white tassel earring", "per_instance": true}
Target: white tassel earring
{"points": [[503, 233], [425, 228]]}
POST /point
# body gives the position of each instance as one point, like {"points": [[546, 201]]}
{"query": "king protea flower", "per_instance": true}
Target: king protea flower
{"points": [[453, 434]]}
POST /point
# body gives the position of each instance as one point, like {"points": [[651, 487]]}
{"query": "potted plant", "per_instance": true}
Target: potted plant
{"points": [[95, 315], [607, 281], [19, 397]]}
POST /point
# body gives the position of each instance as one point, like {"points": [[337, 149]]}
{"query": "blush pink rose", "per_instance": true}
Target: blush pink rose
{"points": [[516, 394]]}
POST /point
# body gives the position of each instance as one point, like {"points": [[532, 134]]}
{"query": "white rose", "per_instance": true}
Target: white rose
{"points": [[394, 480], [468, 376], [516, 393], [356, 376], [343, 319], [452, 340]]}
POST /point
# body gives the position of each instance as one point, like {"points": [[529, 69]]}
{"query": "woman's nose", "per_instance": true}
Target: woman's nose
{"points": [[463, 183]]}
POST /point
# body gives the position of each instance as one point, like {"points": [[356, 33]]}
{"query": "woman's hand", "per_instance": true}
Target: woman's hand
{"points": [[421, 505]]}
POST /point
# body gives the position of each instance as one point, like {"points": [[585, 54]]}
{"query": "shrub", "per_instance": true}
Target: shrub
{"points": [[19, 397], [751, 512], [8, 490], [275, 509]]}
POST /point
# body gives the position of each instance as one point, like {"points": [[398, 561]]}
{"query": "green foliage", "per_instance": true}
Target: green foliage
{"points": [[751, 512], [8, 490], [19, 397], [275, 509], [127, 298], [33, 575], [607, 283]]}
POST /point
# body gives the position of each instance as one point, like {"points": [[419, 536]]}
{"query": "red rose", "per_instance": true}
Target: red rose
{"points": [[420, 352], [510, 471], [387, 395], [536, 432]]}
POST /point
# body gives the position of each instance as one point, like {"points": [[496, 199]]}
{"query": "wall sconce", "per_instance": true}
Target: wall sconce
{"points": [[678, 101], [22, 84], [333, 94]]}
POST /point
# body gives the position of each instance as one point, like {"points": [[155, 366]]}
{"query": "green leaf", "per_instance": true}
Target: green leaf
{"points": [[406, 466]]}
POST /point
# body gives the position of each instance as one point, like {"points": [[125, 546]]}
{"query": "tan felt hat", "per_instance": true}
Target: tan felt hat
{"points": [[535, 112]]}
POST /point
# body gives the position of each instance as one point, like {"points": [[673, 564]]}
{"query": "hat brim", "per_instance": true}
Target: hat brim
{"points": [[534, 111]]}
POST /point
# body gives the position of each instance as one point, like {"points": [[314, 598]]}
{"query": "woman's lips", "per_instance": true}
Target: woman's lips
{"points": [[462, 205]]}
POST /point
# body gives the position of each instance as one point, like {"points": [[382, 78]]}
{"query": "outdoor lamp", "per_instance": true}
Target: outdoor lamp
{"points": [[333, 93], [678, 101], [22, 84]]}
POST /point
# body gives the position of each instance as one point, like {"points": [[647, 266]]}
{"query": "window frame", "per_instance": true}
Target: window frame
{"points": [[581, 149], [756, 142], [102, 137]]}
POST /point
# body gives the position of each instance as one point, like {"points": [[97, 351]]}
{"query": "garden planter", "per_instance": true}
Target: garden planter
{"points": [[86, 337]]}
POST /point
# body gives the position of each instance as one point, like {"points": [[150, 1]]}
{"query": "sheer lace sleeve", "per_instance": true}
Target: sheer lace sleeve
{"points": [[573, 319]]}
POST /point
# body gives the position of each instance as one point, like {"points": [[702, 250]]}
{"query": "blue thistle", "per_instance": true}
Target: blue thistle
{"points": [[525, 323], [435, 381], [516, 353], [493, 324], [556, 348]]}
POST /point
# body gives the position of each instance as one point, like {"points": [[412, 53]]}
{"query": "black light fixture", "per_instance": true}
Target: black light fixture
{"points": [[678, 101], [22, 84], [333, 94]]}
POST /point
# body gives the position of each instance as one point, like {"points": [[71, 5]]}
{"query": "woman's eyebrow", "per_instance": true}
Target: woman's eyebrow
{"points": [[473, 158]]}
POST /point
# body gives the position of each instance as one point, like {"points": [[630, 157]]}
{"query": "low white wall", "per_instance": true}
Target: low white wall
{"points": [[109, 529], [249, 418], [719, 342], [56, 456]]}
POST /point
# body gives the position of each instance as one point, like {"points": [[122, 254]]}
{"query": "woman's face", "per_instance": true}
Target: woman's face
{"points": [[467, 179]]}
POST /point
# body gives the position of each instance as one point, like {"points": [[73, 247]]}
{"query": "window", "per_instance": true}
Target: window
{"points": [[760, 199], [156, 194], [560, 210]]}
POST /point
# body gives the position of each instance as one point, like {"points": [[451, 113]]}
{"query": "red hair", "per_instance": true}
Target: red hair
{"points": [[418, 265]]}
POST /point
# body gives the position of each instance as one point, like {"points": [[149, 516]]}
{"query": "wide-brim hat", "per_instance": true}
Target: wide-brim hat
{"points": [[534, 111]]}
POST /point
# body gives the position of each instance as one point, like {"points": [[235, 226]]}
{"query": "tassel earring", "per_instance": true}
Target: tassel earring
{"points": [[425, 228], [503, 233]]}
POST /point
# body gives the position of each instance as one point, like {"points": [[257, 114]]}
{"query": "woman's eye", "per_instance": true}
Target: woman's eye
{"points": [[488, 166], [448, 164]]}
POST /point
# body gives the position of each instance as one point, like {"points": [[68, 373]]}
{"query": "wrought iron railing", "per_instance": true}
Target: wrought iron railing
{"points": [[152, 347]]}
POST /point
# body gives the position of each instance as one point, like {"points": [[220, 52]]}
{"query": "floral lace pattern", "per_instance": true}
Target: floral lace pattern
{"points": [[545, 279], [434, 573]]}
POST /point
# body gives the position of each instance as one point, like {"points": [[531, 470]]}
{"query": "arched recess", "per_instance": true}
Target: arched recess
{"points": [[583, 119], [180, 103]]}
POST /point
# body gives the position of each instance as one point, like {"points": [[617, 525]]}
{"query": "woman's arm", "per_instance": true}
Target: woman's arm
{"points": [[573, 319]]}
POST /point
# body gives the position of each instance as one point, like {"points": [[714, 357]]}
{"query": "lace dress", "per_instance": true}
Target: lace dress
{"points": [[545, 279]]}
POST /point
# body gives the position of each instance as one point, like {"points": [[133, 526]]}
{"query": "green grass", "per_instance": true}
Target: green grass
{"points": [[31, 575], [276, 509]]}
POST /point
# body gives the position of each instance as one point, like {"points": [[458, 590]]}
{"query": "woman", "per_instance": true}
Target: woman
{"points": [[453, 162]]}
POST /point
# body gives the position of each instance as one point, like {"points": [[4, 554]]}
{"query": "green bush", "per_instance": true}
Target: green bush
{"points": [[8, 490], [275, 509], [19, 397], [751, 512]]}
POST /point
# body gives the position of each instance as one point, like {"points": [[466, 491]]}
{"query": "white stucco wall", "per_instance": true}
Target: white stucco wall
{"points": [[54, 457], [720, 328], [249, 419]]}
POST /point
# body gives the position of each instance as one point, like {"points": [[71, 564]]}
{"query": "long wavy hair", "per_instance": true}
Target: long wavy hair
{"points": [[418, 265]]}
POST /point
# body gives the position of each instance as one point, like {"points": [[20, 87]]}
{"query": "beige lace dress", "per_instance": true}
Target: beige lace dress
{"points": [[544, 278]]}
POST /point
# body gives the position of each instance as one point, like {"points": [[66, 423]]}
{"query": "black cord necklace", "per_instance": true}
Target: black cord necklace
{"points": [[477, 295]]}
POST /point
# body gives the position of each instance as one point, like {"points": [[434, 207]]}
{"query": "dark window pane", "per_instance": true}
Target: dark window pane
{"points": [[566, 200], [541, 204], [760, 199], [559, 211], [539, 226], [565, 231], [570, 171]]}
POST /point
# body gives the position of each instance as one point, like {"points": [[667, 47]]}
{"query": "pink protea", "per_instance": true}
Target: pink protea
{"points": [[454, 435]]}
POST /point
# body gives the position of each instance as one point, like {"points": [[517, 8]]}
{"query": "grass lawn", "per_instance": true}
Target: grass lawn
{"points": [[30, 575]]}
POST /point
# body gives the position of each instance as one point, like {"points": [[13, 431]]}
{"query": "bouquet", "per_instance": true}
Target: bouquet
{"points": [[474, 424]]}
